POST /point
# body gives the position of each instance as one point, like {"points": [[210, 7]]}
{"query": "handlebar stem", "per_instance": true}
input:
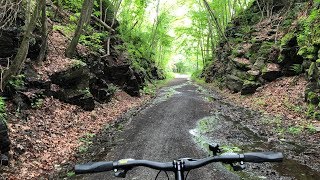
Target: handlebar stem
{"points": [[179, 173]]}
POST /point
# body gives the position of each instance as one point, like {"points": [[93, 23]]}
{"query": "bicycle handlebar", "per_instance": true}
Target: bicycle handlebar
{"points": [[93, 167], [188, 164], [259, 157]]}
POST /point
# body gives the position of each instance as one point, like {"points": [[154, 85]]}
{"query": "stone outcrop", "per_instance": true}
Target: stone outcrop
{"points": [[258, 51], [104, 72], [252, 57], [234, 83], [271, 72], [9, 44], [72, 85], [4, 142]]}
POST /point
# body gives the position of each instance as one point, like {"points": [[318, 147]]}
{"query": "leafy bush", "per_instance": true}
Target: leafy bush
{"points": [[197, 74], [17, 82], [149, 90], [309, 33], [66, 29], [72, 5], [74, 18], [94, 40], [287, 38]]}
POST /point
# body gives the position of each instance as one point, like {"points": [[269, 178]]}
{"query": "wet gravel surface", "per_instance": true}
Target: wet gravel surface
{"points": [[177, 123], [161, 133]]}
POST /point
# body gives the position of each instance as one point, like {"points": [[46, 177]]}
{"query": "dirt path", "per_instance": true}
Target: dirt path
{"points": [[161, 132], [183, 117]]}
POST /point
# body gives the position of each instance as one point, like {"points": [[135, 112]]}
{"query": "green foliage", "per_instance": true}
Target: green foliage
{"points": [[230, 149], [149, 90], [94, 41], [112, 88], [3, 114], [72, 5], [312, 95], [311, 110], [196, 74], [37, 103], [2, 105], [295, 130], [208, 124], [71, 174], [146, 43], [74, 18], [78, 64], [311, 128], [316, 115], [181, 68], [66, 29], [308, 34], [246, 30], [313, 72], [286, 38], [261, 102], [86, 140], [297, 68], [17, 82]]}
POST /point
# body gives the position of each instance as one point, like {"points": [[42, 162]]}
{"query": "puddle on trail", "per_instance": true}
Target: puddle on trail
{"points": [[292, 168], [233, 137]]}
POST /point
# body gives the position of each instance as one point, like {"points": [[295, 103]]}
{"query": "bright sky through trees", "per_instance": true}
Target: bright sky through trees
{"points": [[175, 33]]}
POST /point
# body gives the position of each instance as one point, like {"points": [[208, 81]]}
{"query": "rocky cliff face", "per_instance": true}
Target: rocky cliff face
{"points": [[80, 82], [261, 49], [93, 78]]}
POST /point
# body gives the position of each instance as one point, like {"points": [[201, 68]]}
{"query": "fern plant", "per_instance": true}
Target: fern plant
{"points": [[3, 115], [297, 68]]}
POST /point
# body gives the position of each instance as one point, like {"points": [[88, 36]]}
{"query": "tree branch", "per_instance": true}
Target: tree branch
{"points": [[102, 23]]}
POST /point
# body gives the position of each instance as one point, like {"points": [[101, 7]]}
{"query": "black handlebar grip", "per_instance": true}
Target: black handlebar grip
{"points": [[93, 167], [259, 157]]}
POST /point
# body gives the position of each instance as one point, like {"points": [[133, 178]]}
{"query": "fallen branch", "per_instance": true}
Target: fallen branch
{"points": [[64, 15], [102, 23]]}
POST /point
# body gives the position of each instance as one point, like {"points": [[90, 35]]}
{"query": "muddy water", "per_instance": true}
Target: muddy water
{"points": [[221, 128]]}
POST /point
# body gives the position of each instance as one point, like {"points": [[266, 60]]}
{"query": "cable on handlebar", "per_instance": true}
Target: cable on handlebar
{"points": [[164, 172], [187, 175]]}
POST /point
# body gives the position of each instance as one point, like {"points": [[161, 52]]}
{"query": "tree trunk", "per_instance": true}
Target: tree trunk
{"points": [[197, 57], [215, 19], [101, 12], [18, 61], [154, 29], [44, 33], [115, 12], [85, 16]]}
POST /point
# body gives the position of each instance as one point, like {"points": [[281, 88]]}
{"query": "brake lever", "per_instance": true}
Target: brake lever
{"points": [[121, 173], [238, 167], [214, 148]]}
